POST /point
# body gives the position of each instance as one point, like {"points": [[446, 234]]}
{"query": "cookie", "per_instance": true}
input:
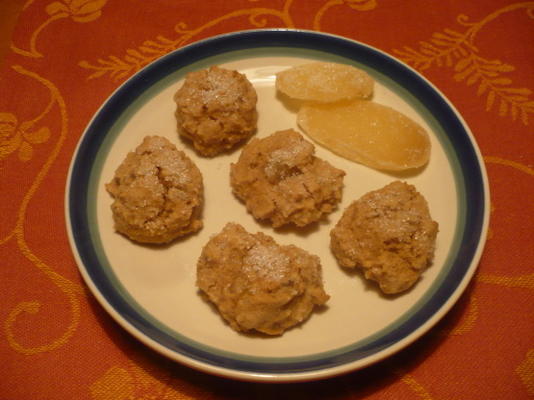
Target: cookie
{"points": [[258, 285], [216, 110], [157, 192], [389, 234], [282, 182]]}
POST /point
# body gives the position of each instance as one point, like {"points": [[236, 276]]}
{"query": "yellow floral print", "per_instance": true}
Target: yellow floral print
{"points": [[525, 370], [150, 50], [522, 281], [525, 281], [10, 140], [77, 10], [21, 136], [358, 5], [15, 136], [140, 382], [457, 50], [469, 320], [418, 389]]}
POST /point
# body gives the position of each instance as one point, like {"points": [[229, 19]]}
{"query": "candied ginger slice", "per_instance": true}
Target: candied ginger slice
{"points": [[324, 82], [366, 132]]}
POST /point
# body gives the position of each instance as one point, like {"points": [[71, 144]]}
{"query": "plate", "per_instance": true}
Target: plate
{"points": [[151, 290]]}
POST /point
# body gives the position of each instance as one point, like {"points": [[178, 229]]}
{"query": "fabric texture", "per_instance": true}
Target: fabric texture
{"points": [[62, 58]]}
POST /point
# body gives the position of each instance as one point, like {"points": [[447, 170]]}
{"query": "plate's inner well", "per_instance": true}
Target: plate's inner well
{"points": [[162, 280]]}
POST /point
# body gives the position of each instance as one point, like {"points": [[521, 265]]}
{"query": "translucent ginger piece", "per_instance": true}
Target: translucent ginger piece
{"points": [[366, 132], [325, 82]]}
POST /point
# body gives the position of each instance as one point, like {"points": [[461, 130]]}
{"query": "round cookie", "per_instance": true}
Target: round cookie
{"points": [[389, 233], [216, 110], [281, 180], [158, 193], [258, 285]]}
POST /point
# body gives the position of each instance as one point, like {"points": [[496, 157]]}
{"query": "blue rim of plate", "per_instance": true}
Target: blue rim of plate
{"points": [[469, 173]]}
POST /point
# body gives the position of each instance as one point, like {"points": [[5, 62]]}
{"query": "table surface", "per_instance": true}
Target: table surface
{"points": [[60, 59]]}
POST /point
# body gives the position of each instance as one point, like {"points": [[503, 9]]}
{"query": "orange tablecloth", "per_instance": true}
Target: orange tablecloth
{"points": [[62, 58]]}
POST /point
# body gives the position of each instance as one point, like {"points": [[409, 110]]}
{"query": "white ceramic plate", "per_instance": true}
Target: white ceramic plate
{"points": [[151, 291]]}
